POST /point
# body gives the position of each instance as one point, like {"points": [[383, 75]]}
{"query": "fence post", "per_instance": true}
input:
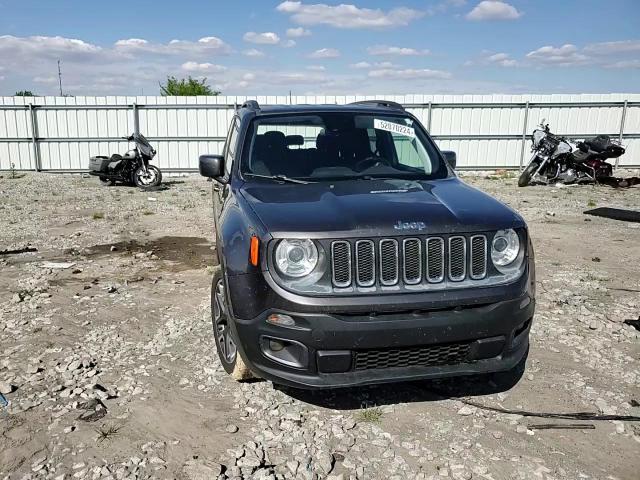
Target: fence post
{"points": [[524, 133], [136, 119], [622, 120], [429, 119], [37, 161]]}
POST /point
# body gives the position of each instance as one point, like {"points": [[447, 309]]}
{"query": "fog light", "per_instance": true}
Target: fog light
{"points": [[281, 320], [286, 352], [275, 345]]}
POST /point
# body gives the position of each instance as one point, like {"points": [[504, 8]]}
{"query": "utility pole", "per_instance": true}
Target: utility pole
{"points": [[60, 78]]}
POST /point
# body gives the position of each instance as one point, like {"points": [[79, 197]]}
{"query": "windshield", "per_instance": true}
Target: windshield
{"points": [[143, 145], [337, 146]]}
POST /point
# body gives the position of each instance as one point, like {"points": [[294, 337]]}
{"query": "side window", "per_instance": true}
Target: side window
{"points": [[230, 147]]}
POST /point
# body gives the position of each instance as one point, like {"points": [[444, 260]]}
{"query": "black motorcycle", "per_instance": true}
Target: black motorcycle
{"points": [[556, 159], [132, 168]]}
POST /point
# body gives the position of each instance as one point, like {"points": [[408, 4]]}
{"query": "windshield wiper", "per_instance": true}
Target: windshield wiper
{"points": [[281, 178]]}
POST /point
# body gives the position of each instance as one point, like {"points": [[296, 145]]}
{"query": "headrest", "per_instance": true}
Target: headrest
{"points": [[275, 138], [294, 140], [327, 140]]}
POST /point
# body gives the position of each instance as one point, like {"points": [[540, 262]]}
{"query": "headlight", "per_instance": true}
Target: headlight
{"points": [[296, 257], [537, 137], [505, 248]]}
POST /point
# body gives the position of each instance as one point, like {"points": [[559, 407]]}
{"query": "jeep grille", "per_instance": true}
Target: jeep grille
{"points": [[408, 262]]}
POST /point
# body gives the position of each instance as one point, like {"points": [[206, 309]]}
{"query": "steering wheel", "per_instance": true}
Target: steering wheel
{"points": [[369, 162]]}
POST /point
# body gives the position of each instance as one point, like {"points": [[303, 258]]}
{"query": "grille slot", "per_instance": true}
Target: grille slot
{"points": [[424, 356], [341, 263], [412, 260], [388, 261], [457, 258], [435, 259], [478, 257], [365, 263], [415, 261]]}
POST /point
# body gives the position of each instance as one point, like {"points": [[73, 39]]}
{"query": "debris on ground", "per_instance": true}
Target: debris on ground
{"points": [[140, 362]]}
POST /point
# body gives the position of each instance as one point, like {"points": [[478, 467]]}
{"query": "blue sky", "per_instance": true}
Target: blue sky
{"points": [[312, 47]]}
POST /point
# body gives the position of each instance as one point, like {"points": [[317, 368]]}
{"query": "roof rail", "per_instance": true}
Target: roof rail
{"points": [[380, 103], [251, 105]]}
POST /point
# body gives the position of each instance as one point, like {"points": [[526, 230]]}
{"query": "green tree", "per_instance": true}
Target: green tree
{"points": [[186, 87], [25, 93]]}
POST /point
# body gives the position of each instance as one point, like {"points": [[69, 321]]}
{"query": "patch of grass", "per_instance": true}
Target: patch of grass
{"points": [[13, 175], [370, 415], [591, 203], [97, 215], [148, 212], [107, 432]]}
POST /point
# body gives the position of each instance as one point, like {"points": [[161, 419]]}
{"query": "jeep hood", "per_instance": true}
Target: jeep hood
{"points": [[356, 208]]}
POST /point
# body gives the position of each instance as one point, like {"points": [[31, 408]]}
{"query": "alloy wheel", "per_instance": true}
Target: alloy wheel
{"points": [[221, 324], [147, 178]]}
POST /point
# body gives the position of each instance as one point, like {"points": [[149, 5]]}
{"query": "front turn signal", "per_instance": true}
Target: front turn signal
{"points": [[253, 251]]}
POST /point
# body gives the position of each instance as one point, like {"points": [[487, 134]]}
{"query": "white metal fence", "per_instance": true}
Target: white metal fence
{"points": [[487, 131]]}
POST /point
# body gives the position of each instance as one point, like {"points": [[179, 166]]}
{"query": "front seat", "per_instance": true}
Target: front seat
{"points": [[274, 154]]}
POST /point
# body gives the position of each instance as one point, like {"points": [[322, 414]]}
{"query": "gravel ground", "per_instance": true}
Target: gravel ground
{"points": [[108, 366]]}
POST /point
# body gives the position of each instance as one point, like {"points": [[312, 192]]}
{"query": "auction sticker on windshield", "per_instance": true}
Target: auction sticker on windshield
{"points": [[387, 126]]}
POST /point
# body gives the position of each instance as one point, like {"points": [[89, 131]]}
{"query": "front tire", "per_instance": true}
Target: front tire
{"points": [[526, 175], [152, 177], [225, 341]]}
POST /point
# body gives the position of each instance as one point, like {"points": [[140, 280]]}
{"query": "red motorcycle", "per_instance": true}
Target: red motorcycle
{"points": [[557, 159]]}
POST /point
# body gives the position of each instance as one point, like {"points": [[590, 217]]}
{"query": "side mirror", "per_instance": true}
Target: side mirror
{"points": [[211, 166], [450, 157]]}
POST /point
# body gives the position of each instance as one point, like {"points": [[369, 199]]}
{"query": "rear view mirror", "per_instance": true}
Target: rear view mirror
{"points": [[211, 166], [450, 157]]}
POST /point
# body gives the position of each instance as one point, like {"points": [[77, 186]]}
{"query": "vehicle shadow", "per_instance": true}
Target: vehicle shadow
{"points": [[406, 392]]}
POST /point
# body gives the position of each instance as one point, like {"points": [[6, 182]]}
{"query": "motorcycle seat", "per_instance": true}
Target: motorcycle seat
{"points": [[599, 143]]}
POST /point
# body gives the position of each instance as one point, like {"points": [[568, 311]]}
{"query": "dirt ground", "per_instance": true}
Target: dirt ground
{"points": [[108, 366]]}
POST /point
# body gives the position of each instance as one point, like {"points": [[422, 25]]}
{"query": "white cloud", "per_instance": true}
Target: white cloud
{"points": [[89, 69], [367, 65], [249, 76], [132, 42], [613, 48], [493, 10], [564, 56], [204, 46], [291, 78], [298, 32], [385, 50], [624, 64], [489, 58], [46, 80], [409, 74], [347, 15], [325, 53], [316, 68], [253, 52], [40, 47], [203, 67], [445, 5], [265, 38], [288, 43]]}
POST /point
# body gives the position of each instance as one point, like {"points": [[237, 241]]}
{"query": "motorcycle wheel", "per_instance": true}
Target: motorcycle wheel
{"points": [[525, 176], [106, 182], [151, 178]]}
